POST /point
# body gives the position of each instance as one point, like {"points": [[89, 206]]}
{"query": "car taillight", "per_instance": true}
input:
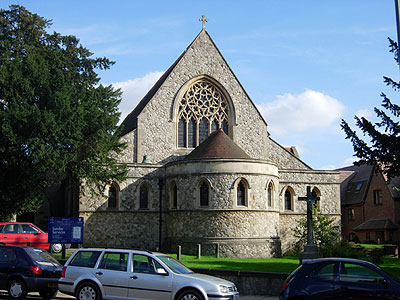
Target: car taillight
{"points": [[36, 270], [63, 272], [285, 286]]}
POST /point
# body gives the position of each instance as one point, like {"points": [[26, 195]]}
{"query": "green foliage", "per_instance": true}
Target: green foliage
{"points": [[56, 121], [326, 232], [384, 146]]}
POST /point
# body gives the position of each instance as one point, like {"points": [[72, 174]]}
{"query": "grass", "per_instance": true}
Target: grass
{"points": [[275, 265]]}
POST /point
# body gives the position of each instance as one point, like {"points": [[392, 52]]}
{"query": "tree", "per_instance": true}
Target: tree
{"points": [[326, 231], [384, 146], [57, 124]]}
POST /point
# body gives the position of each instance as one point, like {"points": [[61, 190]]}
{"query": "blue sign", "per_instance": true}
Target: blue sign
{"points": [[66, 230]]}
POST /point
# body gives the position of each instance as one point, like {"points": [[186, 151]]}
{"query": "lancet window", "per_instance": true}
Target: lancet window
{"points": [[202, 110]]}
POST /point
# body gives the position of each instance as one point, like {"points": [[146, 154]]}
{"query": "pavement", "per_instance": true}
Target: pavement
{"points": [[251, 297], [61, 296]]}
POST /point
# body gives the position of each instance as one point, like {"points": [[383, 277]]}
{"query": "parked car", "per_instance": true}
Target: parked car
{"points": [[27, 269], [115, 274], [26, 234], [339, 278]]}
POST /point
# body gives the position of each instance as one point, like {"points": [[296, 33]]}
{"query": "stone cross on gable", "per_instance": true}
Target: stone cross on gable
{"points": [[204, 20], [310, 199]]}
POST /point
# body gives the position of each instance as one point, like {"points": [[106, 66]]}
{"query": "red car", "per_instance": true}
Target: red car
{"points": [[25, 234]]}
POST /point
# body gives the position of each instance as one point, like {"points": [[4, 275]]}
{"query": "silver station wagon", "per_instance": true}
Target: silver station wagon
{"points": [[129, 274]]}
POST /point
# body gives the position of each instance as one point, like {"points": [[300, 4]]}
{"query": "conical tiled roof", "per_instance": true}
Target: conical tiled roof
{"points": [[218, 145]]}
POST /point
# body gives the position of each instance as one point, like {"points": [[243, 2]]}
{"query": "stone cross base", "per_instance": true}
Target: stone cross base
{"points": [[310, 252]]}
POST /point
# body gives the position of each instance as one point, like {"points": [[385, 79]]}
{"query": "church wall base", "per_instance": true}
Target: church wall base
{"points": [[228, 247]]}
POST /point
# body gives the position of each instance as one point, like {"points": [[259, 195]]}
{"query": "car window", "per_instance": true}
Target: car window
{"points": [[1, 228], [324, 272], [7, 256], [145, 264], [114, 261], [85, 259], [359, 274], [29, 229], [11, 228], [174, 265], [40, 255]]}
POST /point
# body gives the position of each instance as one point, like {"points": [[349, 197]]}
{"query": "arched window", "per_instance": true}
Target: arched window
{"points": [[241, 193], [270, 194], [113, 194], [204, 109], [144, 197], [288, 200], [204, 193], [316, 193], [174, 195]]}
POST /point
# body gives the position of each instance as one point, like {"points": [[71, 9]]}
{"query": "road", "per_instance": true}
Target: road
{"points": [[61, 296]]}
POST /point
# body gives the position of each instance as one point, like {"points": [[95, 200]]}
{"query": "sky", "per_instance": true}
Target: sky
{"points": [[305, 64]]}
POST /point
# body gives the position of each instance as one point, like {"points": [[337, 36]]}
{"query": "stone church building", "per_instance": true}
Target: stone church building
{"points": [[203, 169]]}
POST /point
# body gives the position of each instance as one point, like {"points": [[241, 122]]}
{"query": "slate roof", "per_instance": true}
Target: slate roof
{"points": [[377, 224], [354, 184], [217, 145]]}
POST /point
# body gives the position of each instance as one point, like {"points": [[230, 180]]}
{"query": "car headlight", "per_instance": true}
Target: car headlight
{"points": [[225, 289]]}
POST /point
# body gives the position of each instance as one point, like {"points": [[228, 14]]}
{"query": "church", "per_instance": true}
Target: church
{"points": [[204, 170]]}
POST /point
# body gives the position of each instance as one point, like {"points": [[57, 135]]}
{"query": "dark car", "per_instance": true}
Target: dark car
{"points": [[339, 278], [26, 269]]}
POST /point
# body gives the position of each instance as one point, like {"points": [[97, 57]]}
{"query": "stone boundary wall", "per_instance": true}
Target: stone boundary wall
{"points": [[249, 282]]}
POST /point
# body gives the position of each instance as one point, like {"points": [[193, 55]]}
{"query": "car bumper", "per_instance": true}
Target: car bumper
{"points": [[66, 287], [36, 284], [223, 297]]}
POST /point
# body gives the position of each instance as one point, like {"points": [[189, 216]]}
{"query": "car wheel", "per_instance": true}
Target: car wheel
{"points": [[48, 294], [88, 291], [17, 289], [190, 295], [56, 248]]}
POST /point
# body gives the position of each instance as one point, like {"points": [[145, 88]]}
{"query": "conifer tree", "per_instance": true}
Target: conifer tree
{"points": [[384, 145], [57, 124]]}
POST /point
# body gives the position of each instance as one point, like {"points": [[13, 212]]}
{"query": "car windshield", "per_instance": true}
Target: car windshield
{"points": [[40, 255], [174, 265]]}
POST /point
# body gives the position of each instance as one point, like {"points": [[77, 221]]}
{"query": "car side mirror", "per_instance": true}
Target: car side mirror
{"points": [[162, 271]]}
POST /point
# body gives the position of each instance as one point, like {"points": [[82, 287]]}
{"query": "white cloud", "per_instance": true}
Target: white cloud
{"points": [[134, 90], [364, 113], [299, 113], [346, 163]]}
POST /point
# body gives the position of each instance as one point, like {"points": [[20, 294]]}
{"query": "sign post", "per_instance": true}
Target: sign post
{"points": [[66, 231]]}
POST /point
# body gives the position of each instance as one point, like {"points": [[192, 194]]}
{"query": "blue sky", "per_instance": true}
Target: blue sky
{"points": [[305, 64]]}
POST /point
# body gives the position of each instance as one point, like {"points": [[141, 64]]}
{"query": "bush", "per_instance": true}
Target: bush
{"points": [[342, 249]]}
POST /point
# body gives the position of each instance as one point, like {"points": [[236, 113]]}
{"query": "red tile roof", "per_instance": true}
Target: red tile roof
{"points": [[218, 145]]}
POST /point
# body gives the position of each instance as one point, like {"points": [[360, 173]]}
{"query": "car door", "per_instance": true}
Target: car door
{"points": [[321, 282], [112, 272], [8, 259], [359, 282], [33, 236], [148, 279], [11, 236]]}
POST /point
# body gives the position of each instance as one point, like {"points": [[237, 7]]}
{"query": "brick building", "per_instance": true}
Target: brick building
{"points": [[370, 206]]}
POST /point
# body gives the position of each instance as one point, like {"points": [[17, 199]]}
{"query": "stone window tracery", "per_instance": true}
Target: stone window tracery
{"points": [[202, 110]]}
